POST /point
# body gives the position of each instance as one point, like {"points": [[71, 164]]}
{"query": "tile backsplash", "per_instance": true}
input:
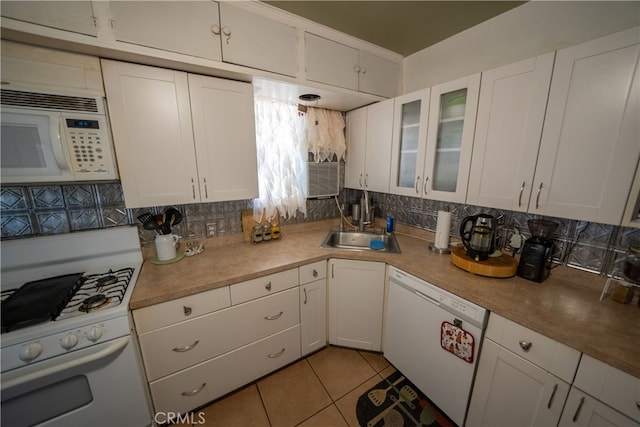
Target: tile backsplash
{"points": [[36, 210]]}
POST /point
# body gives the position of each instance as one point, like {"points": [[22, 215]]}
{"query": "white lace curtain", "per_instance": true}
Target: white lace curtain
{"points": [[284, 136]]}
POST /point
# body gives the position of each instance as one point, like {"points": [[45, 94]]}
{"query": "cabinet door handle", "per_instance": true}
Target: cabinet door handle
{"points": [[227, 32], [521, 191], [525, 345], [193, 188], [366, 178], [356, 68], [186, 348], [426, 181], [363, 70], [360, 181], [276, 355], [538, 196], [194, 391], [187, 310], [206, 192], [577, 414], [553, 394], [274, 317], [417, 181], [305, 295], [215, 29]]}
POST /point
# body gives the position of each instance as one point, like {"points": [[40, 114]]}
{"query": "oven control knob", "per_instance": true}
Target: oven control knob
{"points": [[69, 341], [30, 351], [95, 333]]}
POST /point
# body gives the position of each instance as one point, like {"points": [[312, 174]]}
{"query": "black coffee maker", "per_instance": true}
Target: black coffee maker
{"points": [[535, 260]]}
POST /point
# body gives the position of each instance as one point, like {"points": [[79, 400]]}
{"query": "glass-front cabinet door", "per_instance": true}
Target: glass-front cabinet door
{"points": [[450, 139], [411, 116]]}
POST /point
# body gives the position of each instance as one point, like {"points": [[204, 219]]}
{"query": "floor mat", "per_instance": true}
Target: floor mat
{"points": [[396, 402]]}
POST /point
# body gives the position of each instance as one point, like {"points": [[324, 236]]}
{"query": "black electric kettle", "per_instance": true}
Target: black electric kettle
{"points": [[478, 236]]}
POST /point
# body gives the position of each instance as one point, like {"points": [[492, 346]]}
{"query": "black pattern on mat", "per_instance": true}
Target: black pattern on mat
{"points": [[396, 402]]}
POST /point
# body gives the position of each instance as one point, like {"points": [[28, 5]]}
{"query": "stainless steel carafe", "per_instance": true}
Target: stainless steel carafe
{"points": [[478, 236]]}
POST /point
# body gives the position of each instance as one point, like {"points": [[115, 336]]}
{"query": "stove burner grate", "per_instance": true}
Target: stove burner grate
{"points": [[94, 302]]}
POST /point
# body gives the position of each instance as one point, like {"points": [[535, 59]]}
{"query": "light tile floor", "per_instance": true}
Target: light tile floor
{"points": [[320, 390]]}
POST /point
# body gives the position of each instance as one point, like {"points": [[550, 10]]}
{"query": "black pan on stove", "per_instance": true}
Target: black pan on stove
{"points": [[39, 301]]}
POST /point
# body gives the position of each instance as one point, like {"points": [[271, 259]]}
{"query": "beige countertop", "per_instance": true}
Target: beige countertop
{"points": [[565, 307]]}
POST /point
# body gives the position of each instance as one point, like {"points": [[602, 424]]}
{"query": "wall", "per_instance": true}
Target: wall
{"points": [[39, 210], [531, 29], [594, 247]]}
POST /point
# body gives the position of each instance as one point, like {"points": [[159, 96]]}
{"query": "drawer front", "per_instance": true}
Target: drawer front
{"points": [[263, 286], [173, 348], [617, 389], [209, 380], [550, 355], [174, 311], [312, 272]]}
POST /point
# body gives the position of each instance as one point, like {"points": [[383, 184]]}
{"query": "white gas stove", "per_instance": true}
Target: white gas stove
{"points": [[65, 315]]}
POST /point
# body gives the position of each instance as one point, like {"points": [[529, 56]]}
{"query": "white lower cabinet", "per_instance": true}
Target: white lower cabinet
{"points": [[313, 307], [209, 380], [523, 378], [219, 340], [602, 396], [356, 296]]}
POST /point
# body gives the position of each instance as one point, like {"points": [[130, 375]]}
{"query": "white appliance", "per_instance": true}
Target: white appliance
{"points": [[78, 365], [55, 138], [433, 338]]}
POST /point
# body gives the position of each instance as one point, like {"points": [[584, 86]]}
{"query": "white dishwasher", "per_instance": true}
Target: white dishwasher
{"points": [[433, 338]]}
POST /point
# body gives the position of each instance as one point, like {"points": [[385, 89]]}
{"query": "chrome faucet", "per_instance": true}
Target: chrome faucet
{"points": [[365, 215]]}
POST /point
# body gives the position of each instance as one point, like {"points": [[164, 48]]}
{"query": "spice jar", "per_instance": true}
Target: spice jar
{"points": [[275, 231], [256, 234], [266, 231]]}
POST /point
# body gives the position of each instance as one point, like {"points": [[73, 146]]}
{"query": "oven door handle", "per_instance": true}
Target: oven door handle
{"points": [[114, 347]]}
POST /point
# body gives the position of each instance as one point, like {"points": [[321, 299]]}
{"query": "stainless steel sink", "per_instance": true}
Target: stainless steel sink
{"points": [[360, 241]]}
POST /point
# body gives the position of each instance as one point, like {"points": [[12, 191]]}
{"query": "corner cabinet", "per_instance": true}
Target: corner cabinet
{"points": [[449, 123], [356, 295], [180, 138], [589, 148], [513, 100], [369, 131], [336, 64]]}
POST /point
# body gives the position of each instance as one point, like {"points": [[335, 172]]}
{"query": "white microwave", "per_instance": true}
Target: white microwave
{"points": [[54, 138]]}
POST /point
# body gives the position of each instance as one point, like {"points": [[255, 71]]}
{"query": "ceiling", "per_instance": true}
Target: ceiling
{"points": [[404, 27]]}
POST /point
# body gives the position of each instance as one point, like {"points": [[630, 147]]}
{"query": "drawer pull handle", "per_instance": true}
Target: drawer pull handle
{"points": [[194, 391], [525, 345], [277, 316], [186, 348], [268, 286], [577, 414], [276, 355], [315, 273], [553, 394], [187, 310]]}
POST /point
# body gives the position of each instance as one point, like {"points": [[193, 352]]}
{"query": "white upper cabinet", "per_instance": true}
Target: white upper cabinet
{"points": [[336, 64], [513, 100], [410, 121], [369, 133], [74, 16], [198, 28], [152, 133], [591, 138], [452, 122], [182, 27], [433, 140], [180, 138], [224, 131], [255, 41]]}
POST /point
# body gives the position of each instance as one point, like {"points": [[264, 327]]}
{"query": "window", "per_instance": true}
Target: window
{"points": [[285, 134]]}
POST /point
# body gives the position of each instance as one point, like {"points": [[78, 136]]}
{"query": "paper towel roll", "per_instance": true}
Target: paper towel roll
{"points": [[442, 230]]}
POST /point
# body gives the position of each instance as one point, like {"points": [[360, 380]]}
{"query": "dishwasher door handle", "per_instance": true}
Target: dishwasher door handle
{"points": [[427, 297]]}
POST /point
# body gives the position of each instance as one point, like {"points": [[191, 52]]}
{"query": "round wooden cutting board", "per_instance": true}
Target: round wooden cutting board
{"points": [[502, 266]]}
